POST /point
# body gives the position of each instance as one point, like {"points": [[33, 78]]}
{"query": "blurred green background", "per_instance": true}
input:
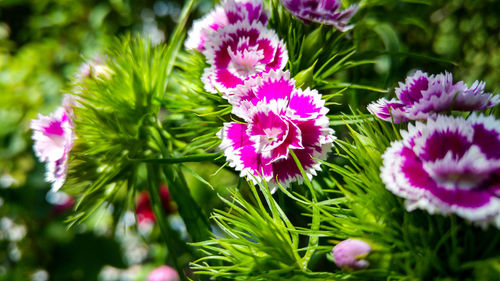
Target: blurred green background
{"points": [[44, 42]]}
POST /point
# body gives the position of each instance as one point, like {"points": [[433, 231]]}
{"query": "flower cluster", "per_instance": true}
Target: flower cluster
{"points": [[449, 165], [246, 61], [53, 139], [322, 12], [278, 119], [424, 96], [237, 45]]}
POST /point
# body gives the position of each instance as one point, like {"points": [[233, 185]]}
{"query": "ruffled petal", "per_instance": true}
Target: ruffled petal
{"points": [[321, 11], [440, 168], [239, 52]]}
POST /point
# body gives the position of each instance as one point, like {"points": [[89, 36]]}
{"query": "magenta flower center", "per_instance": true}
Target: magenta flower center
{"points": [[245, 60], [54, 128], [268, 131]]}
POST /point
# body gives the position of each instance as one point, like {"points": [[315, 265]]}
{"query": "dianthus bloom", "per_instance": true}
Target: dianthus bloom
{"points": [[350, 254], [229, 12], [53, 136], [322, 12], [163, 273], [423, 96], [449, 165], [240, 51], [279, 118]]}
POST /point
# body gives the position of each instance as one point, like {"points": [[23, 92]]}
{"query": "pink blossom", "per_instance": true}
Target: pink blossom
{"points": [[448, 166], [53, 139], [424, 96], [240, 51], [321, 11], [229, 12], [278, 118]]}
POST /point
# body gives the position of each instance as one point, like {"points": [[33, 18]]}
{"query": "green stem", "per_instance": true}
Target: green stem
{"points": [[313, 239], [190, 158], [171, 238], [175, 42], [196, 221]]}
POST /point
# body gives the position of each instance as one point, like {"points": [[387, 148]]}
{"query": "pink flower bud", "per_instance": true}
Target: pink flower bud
{"points": [[163, 273], [350, 253]]}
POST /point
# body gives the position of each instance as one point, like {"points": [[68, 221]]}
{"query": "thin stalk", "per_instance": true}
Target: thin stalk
{"points": [[196, 221], [313, 239], [169, 235], [184, 159]]}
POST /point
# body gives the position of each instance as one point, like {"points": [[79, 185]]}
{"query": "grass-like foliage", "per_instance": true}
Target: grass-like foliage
{"points": [[259, 242], [114, 114], [195, 115], [121, 145]]}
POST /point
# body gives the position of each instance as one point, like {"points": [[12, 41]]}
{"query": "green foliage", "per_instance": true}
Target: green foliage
{"points": [[260, 242], [112, 112], [196, 116]]}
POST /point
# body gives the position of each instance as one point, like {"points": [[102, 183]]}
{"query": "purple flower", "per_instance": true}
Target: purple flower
{"points": [[278, 118], [322, 12], [163, 273], [53, 137], [349, 254], [230, 12], [239, 51], [449, 165], [423, 96]]}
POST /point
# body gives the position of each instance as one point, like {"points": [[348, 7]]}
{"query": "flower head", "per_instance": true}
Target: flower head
{"points": [[449, 165], [53, 136], [350, 254], [321, 11], [240, 51], [229, 12], [279, 118], [423, 96], [163, 273]]}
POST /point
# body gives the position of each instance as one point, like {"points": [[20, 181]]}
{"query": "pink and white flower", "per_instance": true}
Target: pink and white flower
{"points": [[448, 166], [240, 51], [53, 136], [322, 12], [423, 96], [279, 118], [229, 12]]}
